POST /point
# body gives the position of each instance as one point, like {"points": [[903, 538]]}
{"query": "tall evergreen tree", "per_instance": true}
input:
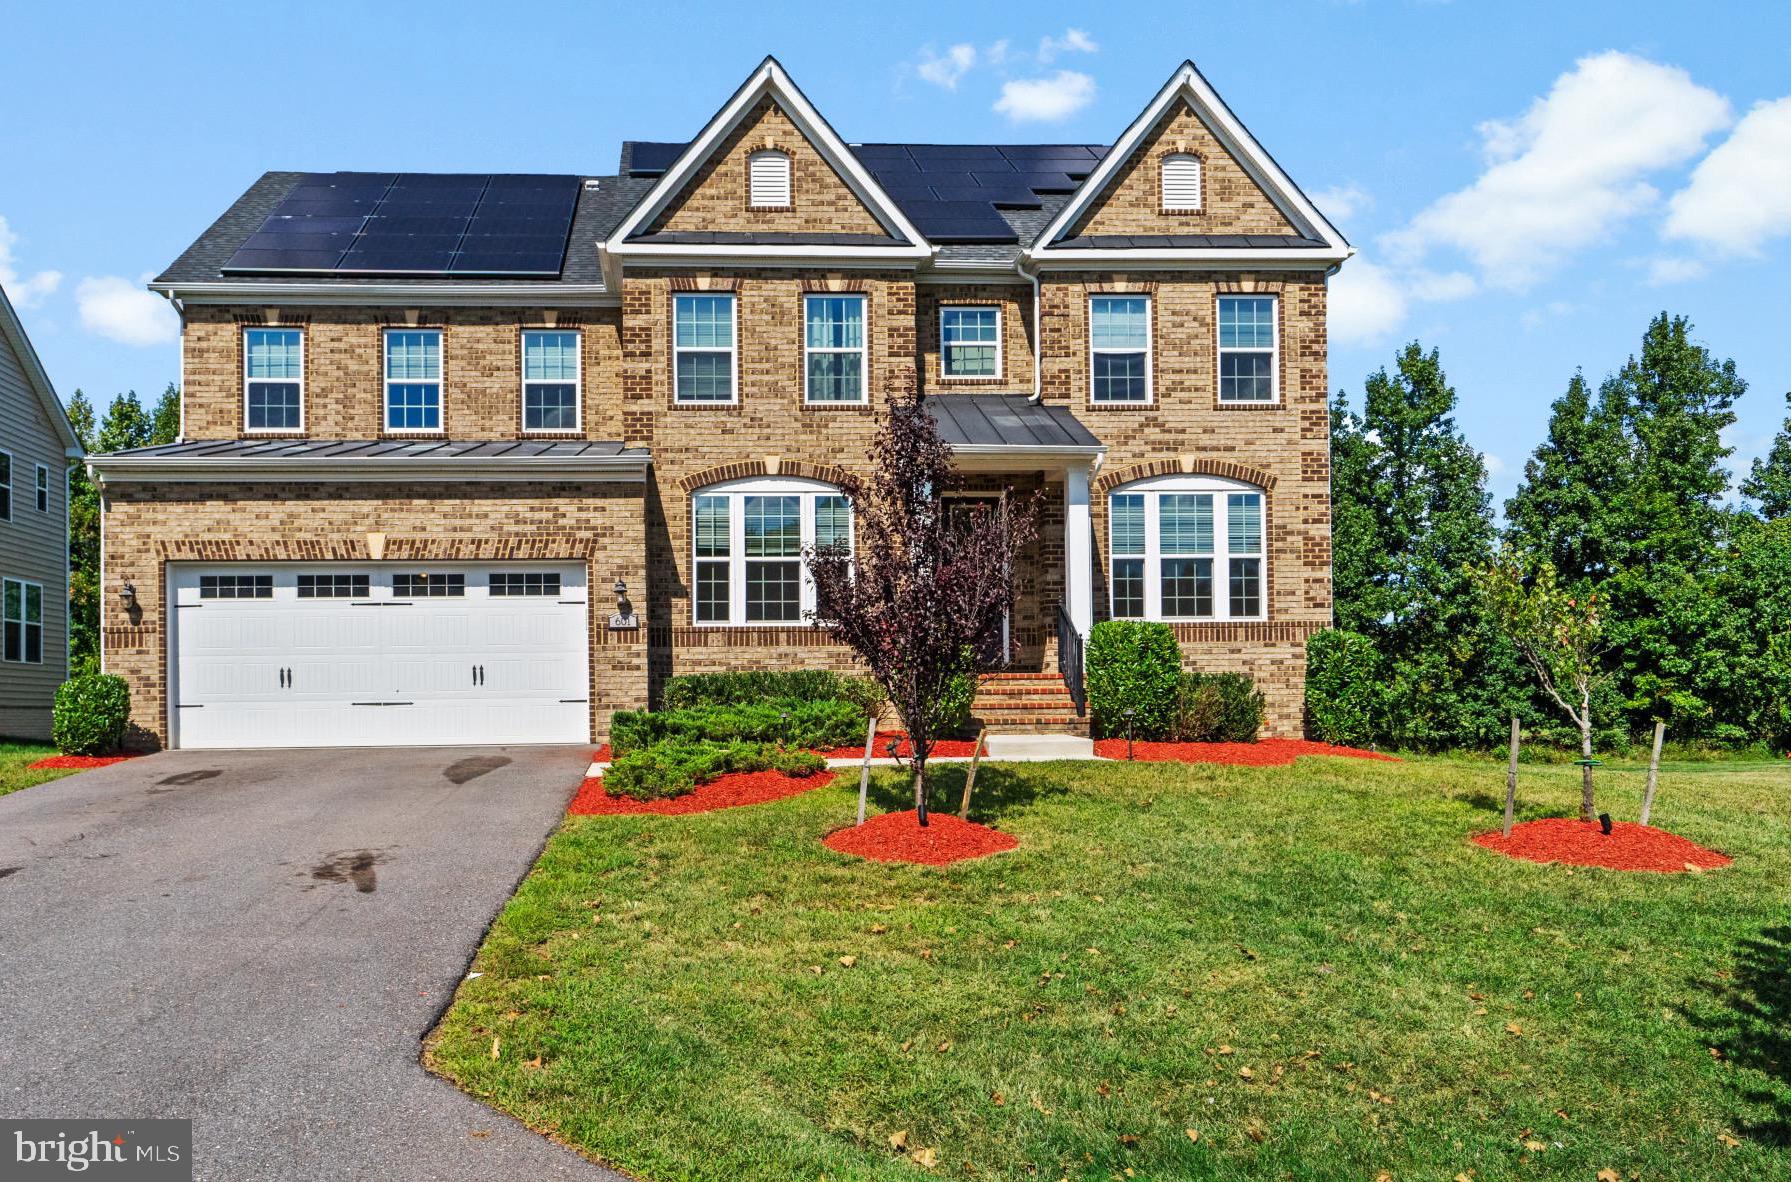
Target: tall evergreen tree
{"points": [[1563, 512], [1768, 485]]}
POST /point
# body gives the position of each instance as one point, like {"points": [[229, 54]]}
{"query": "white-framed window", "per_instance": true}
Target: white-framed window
{"points": [[746, 547], [1249, 348], [768, 173], [551, 380], [273, 379], [1119, 348], [5, 486], [43, 489], [1181, 183], [833, 348], [969, 342], [1186, 548], [703, 340], [413, 379], [22, 621]]}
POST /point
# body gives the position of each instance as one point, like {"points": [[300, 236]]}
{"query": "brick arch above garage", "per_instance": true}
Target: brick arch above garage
{"points": [[1185, 466]]}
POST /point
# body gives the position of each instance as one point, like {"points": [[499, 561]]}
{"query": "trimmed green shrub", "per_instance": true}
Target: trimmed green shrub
{"points": [[1342, 681], [954, 706], [753, 685], [1135, 665], [826, 722], [677, 766], [90, 715], [1217, 708]]}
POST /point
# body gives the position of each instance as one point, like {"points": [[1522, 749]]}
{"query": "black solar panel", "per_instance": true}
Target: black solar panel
{"points": [[416, 224], [650, 158]]}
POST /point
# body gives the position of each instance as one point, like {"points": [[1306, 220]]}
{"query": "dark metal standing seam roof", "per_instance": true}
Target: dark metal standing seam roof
{"points": [[363, 449], [1007, 420]]}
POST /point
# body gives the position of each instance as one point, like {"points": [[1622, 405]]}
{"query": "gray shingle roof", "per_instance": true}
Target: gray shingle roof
{"points": [[1007, 420]]}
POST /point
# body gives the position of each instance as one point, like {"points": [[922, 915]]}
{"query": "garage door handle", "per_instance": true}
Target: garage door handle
{"points": [[478, 675], [382, 703]]}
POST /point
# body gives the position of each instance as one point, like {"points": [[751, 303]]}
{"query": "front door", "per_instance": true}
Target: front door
{"points": [[961, 511]]}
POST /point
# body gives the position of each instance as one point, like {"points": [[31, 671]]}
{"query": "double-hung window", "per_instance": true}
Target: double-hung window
{"points": [[1119, 342], [1247, 348], [748, 542], [414, 379], [703, 347], [550, 381], [1186, 548], [43, 489], [22, 621], [273, 379], [5, 486], [834, 347], [969, 342]]}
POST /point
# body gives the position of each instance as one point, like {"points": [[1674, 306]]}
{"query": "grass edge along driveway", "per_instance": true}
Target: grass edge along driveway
{"points": [[16, 755], [1309, 967]]}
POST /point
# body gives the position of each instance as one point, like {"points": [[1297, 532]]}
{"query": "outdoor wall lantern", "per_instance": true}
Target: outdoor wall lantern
{"points": [[624, 616], [127, 596]]}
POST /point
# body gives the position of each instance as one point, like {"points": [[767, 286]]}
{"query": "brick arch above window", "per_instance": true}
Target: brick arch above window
{"points": [[793, 469], [1185, 466]]}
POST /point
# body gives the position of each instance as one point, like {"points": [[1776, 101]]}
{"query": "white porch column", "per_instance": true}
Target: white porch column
{"points": [[1078, 549]]}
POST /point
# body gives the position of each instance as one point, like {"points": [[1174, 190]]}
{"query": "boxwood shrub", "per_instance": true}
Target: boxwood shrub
{"points": [[1217, 708], [754, 685], [1136, 665], [90, 714], [825, 722], [677, 766], [1342, 682]]}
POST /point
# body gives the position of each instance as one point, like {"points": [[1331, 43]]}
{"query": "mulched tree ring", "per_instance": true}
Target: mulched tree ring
{"points": [[76, 762], [1262, 753], [1584, 843], [724, 792], [898, 837]]}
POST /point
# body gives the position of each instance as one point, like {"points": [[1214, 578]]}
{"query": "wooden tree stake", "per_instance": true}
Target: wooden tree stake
{"points": [[1660, 732], [976, 756], [1511, 779], [864, 772]]}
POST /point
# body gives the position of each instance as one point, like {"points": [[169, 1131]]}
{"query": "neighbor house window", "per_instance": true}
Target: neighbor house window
{"points": [[525, 583], [703, 347], [414, 380], [236, 586], [1247, 346], [1186, 548], [273, 379], [748, 537], [334, 586], [1181, 183], [550, 381], [23, 615], [835, 351], [769, 173], [429, 586], [969, 342], [43, 489], [1119, 339], [5, 486]]}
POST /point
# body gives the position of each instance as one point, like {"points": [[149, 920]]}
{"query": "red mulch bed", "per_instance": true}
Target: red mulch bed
{"points": [[1263, 753], [948, 747], [602, 754], [898, 837], [724, 792], [80, 762], [1584, 843]]}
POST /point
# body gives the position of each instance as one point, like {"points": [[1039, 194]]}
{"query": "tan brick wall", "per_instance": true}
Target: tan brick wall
{"points": [[717, 198], [1013, 300], [1231, 203], [149, 526]]}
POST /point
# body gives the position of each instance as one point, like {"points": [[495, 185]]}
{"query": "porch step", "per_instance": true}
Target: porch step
{"points": [[1040, 746], [1027, 704]]}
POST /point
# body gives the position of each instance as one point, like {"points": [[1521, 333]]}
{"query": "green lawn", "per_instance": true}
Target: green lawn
{"points": [[14, 755], [1310, 966]]}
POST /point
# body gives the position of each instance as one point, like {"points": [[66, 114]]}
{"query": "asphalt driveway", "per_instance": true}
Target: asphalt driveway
{"points": [[258, 940]]}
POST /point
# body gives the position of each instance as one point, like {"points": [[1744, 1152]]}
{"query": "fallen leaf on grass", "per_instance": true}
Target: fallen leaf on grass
{"points": [[926, 1159], [1256, 1130], [533, 1064], [1384, 1176], [815, 969], [1246, 1073], [997, 1100], [1727, 1140], [1193, 1135], [898, 1141], [1040, 1105], [944, 1046], [1513, 1028], [1129, 1140], [1535, 1146], [848, 961], [1608, 1176], [877, 929], [494, 1047]]}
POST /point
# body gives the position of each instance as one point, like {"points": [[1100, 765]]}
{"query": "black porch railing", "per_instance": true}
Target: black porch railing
{"points": [[1069, 659]]}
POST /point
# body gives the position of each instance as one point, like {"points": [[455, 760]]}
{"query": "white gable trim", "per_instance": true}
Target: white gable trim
{"points": [[14, 333], [1188, 84], [770, 79]]}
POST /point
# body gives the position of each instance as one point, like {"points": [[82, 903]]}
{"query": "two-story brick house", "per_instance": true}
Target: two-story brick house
{"points": [[432, 423]]}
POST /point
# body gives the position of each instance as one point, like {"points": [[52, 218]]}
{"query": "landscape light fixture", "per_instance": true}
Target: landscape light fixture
{"points": [[1128, 712], [1604, 823]]}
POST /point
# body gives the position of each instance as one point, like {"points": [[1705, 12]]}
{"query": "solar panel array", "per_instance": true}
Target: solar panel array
{"points": [[368, 223]]}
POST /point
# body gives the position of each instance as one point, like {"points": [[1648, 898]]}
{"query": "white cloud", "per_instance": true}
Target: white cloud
{"points": [[1046, 100], [1072, 41], [1571, 167], [1663, 272], [1740, 195], [1366, 303], [121, 310], [1493, 464], [997, 54], [944, 69], [1342, 202], [25, 291]]}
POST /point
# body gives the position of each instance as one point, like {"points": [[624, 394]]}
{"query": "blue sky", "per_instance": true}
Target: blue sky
{"points": [[1526, 182]]}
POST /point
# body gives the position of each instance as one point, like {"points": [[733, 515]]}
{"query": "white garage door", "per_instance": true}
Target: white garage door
{"points": [[297, 655]]}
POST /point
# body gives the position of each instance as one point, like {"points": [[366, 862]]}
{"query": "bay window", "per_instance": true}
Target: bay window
{"points": [[747, 542], [1186, 548]]}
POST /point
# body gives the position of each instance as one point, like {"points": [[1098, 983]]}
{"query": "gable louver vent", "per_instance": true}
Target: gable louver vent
{"points": [[1181, 184], [769, 173]]}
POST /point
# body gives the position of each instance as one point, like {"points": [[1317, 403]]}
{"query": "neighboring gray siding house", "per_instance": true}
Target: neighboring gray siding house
{"points": [[36, 446]]}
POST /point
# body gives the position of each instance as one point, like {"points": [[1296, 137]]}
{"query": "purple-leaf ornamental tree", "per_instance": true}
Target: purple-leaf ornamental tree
{"points": [[921, 590]]}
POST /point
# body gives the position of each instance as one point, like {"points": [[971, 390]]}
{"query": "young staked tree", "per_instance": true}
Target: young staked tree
{"points": [[920, 590], [1558, 631]]}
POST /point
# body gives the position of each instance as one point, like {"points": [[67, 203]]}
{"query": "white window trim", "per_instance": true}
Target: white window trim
{"points": [[1219, 351], [40, 487], [1218, 488], [789, 179], [1000, 356], [578, 381], [1150, 343], [304, 343], [863, 350], [736, 491], [8, 484], [22, 584], [1199, 182], [733, 350], [441, 385]]}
